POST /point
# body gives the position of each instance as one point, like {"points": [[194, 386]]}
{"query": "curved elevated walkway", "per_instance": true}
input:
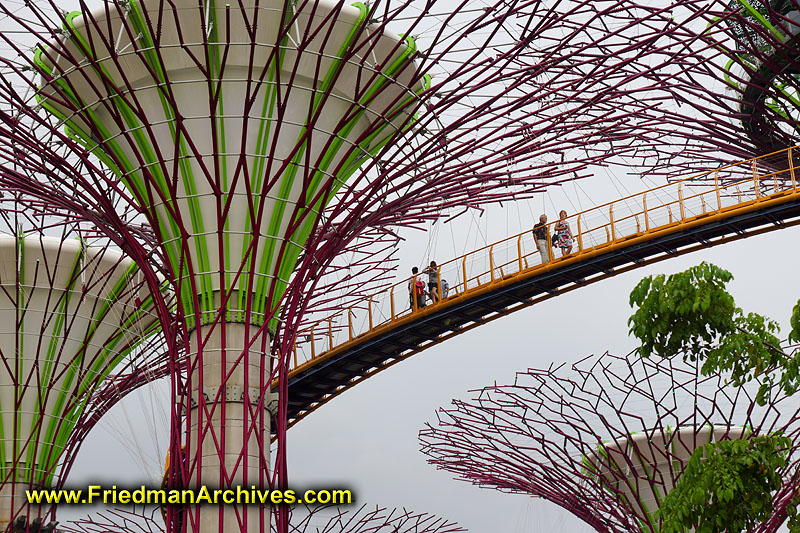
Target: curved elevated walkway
{"points": [[719, 206]]}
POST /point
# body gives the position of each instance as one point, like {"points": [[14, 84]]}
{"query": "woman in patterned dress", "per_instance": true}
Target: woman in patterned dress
{"points": [[563, 236]]}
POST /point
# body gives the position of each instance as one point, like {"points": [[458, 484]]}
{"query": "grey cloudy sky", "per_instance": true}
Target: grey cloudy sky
{"points": [[366, 439]]}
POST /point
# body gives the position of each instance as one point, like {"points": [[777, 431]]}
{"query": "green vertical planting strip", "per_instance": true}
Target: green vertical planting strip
{"points": [[262, 289], [59, 429], [128, 175], [206, 296], [76, 363], [144, 147], [48, 368], [222, 150], [262, 146], [355, 158], [99, 371]]}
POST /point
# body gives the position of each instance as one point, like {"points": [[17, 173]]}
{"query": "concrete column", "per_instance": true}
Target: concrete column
{"points": [[236, 437]]}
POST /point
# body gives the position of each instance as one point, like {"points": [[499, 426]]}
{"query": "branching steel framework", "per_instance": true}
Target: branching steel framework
{"points": [[717, 80], [604, 439], [276, 148], [78, 332], [738, 82], [320, 519]]}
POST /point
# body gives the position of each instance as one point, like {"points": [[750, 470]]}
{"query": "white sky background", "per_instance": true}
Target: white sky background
{"points": [[366, 439]]}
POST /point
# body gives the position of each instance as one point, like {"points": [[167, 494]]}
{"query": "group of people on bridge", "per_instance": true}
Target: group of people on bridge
{"points": [[562, 237], [417, 295]]}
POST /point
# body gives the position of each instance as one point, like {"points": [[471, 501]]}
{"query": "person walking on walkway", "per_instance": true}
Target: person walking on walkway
{"points": [[563, 236], [540, 234], [433, 281], [416, 291]]}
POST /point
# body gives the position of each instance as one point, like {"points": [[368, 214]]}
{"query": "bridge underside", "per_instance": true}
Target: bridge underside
{"points": [[311, 386]]}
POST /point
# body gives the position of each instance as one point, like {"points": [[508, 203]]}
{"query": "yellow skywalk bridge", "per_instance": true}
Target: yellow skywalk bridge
{"points": [[729, 203]]}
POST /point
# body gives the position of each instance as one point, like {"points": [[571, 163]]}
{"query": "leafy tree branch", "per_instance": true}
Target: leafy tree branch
{"points": [[692, 313]]}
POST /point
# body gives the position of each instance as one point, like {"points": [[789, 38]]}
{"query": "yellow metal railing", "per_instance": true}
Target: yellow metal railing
{"points": [[717, 192]]}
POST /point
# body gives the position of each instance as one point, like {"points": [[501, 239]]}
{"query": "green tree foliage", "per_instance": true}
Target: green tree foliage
{"points": [[691, 313], [726, 486], [794, 336]]}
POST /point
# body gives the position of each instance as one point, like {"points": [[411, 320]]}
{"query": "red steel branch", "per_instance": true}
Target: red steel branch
{"points": [[523, 95], [554, 432]]}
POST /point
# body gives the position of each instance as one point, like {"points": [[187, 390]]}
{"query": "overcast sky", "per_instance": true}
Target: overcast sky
{"points": [[366, 439]]}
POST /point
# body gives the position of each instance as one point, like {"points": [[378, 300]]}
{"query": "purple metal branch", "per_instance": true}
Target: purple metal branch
{"points": [[524, 96], [319, 519], [602, 437]]}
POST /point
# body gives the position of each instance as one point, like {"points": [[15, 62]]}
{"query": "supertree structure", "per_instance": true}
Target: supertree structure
{"points": [[606, 439], [320, 519], [78, 332], [265, 141], [739, 78], [722, 80]]}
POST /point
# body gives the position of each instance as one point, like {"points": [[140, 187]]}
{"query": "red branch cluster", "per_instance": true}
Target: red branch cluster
{"points": [[320, 519], [549, 435]]}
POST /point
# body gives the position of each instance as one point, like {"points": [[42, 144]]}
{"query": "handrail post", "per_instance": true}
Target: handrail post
{"points": [[350, 321], [519, 250], [491, 262], [439, 280], [680, 201], [369, 311], [791, 170], [391, 300], [716, 188], [580, 234], [611, 216], [646, 218], [330, 333], [464, 267], [313, 349], [756, 184]]}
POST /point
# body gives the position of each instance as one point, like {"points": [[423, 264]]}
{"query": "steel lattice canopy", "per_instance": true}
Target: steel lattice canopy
{"points": [[293, 114], [606, 438], [69, 314]]}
